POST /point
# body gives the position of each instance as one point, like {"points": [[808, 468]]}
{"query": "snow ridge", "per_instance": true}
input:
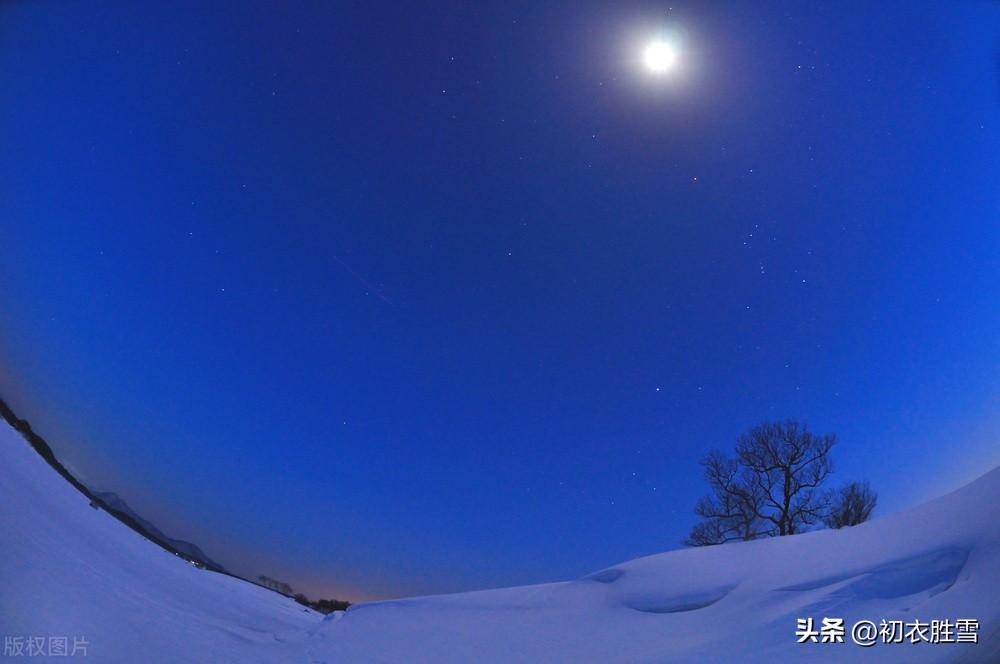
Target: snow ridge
{"points": [[66, 569]]}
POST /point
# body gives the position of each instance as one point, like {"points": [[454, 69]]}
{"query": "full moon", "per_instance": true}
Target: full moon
{"points": [[659, 56]]}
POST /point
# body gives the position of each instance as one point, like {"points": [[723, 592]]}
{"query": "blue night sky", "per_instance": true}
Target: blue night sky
{"points": [[409, 299]]}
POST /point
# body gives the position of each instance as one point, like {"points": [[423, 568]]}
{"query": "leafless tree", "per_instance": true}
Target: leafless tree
{"points": [[850, 505], [772, 487], [788, 464], [732, 511], [274, 584]]}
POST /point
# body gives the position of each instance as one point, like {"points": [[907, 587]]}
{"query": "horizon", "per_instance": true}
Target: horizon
{"points": [[257, 579], [457, 298]]}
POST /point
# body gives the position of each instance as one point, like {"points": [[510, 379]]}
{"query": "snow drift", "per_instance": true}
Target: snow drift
{"points": [[67, 569]]}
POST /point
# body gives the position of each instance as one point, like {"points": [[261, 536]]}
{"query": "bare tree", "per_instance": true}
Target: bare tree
{"points": [[788, 464], [274, 584], [772, 487], [850, 505], [732, 511]]}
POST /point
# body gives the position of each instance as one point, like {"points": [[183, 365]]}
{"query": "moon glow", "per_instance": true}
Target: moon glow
{"points": [[659, 56]]}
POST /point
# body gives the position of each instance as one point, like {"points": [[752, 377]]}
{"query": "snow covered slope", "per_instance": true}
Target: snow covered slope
{"points": [[66, 569], [113, 501]]}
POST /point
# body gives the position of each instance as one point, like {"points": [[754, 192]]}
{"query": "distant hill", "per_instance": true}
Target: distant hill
{"points": [[111, 503], [114, 505], [752, 602], [40, 446]]}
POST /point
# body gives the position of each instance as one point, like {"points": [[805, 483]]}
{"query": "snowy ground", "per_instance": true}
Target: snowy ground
{"points": [[69, 570]]}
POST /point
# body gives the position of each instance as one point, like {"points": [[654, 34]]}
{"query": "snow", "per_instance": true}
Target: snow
{"points": [[113, 501], [67, 569]]}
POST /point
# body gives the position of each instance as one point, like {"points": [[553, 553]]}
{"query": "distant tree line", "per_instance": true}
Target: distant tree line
{"points": [[38, 443], [274, 584], [321, 605], [773, 486]]}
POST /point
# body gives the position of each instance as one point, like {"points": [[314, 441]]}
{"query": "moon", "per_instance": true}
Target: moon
{"points": [[659, 56]]}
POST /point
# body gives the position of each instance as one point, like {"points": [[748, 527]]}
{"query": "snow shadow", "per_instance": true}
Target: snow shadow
{"points": [[932, 572]]}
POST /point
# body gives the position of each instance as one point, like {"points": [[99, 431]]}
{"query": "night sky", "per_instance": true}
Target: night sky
{"points": [[414, 298]]}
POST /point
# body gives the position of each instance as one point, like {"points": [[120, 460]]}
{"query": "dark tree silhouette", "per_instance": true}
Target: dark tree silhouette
{"points": [[274, 584], [788, 464], [772, 487], [850, 505], [322, 605], [732, 511]]}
